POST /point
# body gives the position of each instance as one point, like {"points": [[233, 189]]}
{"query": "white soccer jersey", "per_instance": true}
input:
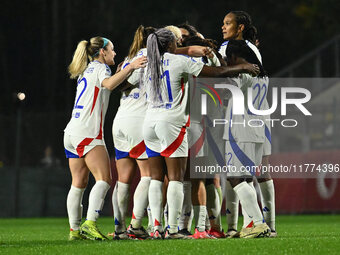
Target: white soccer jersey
{"points": [[246, 128], [174, 90], [91, 102], [250, 45], [133, 101], [195, 112], [265, 104]]}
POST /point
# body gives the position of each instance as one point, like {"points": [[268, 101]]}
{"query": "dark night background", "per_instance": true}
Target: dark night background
{"points": [[38, 38]]}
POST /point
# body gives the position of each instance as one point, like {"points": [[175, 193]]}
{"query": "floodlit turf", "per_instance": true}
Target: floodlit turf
{"points": [[303, 234]]}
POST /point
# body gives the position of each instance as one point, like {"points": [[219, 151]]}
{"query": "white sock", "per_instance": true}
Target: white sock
{"points": [[268, 202], [116, 213], [118, 204], [249, 202], [74, 207], [140, 201], [175, 201], [246, 219], [207, 222], [150, 225], [155, 203], [218, 205], [123, 194], [232, 204], [214, 207], [96, 199], [190, 219], [200, 214], [166, 215], [187, 206]]}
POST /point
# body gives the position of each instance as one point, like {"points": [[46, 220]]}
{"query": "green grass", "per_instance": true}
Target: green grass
{"points": [[303, 234]]}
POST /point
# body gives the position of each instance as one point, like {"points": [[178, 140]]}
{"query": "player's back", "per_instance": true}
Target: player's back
{"points": [[173, 90], [133, 100], [247, 127], [91, 102]]}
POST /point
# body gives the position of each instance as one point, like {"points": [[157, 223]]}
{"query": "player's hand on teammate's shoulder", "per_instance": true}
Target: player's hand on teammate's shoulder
{"points": [[139, 62], [208, 52], [119, 67], [252, 69]]}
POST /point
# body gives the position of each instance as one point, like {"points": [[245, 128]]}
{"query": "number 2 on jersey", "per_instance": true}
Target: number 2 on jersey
{"points": [[259, 89], [81, 93]]}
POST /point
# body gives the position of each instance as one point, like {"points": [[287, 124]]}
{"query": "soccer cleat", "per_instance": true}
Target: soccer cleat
{"points": [[273, 234], [76, 235], [121, 236], [202, 235], [157, 235], [177, 235], [216, 233], [137, 233], [232, 233], [261, 230], [90, 230], [149, 230], [185, 231]]}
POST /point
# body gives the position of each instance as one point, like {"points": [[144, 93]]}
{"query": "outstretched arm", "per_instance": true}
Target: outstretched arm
{"points": [[194, 51], [229, 71], [116, 79]]}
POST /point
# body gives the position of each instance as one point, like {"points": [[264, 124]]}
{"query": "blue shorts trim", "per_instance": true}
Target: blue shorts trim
{"points": [[70, 154], [151, 153], [121, 154], [242, 157]]}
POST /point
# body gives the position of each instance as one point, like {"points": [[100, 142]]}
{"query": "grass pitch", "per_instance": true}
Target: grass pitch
{"points": [[302, 234]]}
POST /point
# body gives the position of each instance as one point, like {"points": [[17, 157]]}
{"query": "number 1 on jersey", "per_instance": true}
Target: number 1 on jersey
{"points": [[168, 84]]}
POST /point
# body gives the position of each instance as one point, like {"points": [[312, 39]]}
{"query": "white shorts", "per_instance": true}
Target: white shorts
{"points": [[196, 140], [267, 145], [243, 159], [77, 147], [128, 138], [165, 139]]}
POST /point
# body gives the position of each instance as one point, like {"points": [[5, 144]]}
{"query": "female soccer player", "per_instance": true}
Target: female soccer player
{"points": [[237, 25], [130, 147], [166, 120], [129, 144], [83, 139], [244, 143]]}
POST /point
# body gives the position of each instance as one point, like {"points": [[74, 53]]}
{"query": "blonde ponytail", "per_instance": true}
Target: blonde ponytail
{"points": [[79, 61], [86, 51], [137, 43]]}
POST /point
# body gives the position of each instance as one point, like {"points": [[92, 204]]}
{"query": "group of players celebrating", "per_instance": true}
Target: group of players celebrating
{"points": [[152, 133]]}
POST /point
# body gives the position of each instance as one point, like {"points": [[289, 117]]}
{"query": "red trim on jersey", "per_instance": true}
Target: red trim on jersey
{"points": [[80, 148], [100, 135], [96, 91], [175, 144], [156, 223], [199, 143], [182, 88], [188, 122], [138, 150], [133, 216]]}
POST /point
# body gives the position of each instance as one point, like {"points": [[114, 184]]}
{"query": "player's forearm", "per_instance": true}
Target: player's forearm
{"points": [[222, 71], [116, 79], [192, 51], [231, 71]]}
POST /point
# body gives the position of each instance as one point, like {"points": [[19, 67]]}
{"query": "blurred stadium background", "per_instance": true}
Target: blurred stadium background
{"points": [[37, 39]]}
